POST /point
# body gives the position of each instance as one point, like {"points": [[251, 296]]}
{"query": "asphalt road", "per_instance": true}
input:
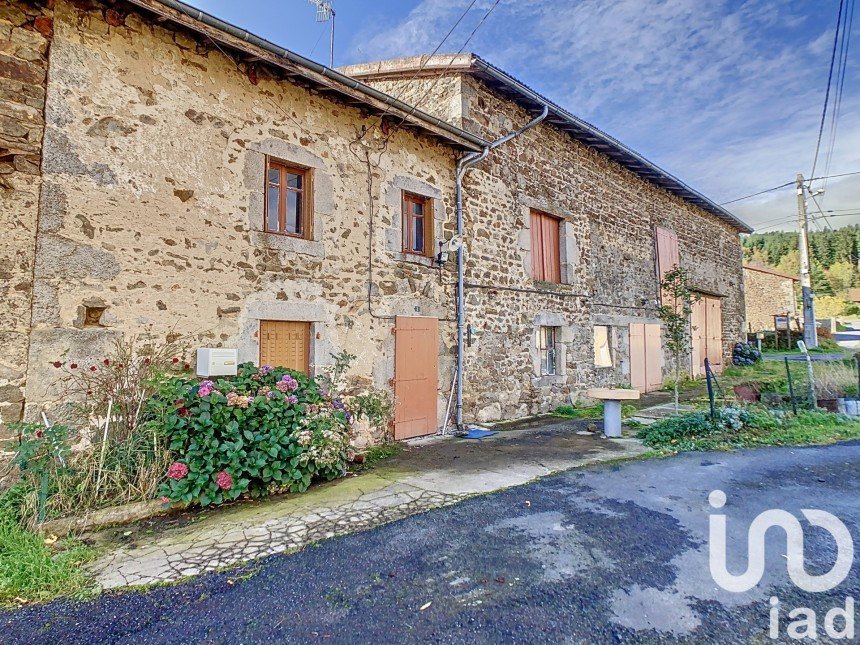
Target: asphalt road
{"points": [[616, 553]]}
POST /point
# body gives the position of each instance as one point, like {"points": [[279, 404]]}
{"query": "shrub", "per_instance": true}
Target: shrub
{"points": [[265, 430], [120, 458], [686, 432], [745, 354]]}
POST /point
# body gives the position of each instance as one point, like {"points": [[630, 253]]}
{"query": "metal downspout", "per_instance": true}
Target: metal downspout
{"points": [[463, 165]]}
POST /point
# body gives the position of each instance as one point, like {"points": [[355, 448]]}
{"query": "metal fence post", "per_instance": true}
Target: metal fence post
{"points": [[790, 387], [708, 378]]}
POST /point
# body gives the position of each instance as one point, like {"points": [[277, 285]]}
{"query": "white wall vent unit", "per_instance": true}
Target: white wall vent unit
{"points": [[216, 361]]}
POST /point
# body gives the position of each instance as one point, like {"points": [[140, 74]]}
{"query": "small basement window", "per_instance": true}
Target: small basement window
{"points": [[548, 349], [93, 316], [602, 347]]}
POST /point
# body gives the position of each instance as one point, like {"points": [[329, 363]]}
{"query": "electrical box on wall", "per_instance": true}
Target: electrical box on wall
{"points": [[216, 361]]}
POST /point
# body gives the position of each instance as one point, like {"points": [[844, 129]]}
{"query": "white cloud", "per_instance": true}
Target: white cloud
{"points": [[725, 94]]}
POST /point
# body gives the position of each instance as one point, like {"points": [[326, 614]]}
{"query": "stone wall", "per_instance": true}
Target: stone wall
{"points": [[152, 206], [26, 29], [767, 294], [608, 253]]}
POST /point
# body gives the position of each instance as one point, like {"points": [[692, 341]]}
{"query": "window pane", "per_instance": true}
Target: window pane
{"points": [[272, 209], [294, 212], [294, 181], [417, 243], [274, 176], [418, 208]]}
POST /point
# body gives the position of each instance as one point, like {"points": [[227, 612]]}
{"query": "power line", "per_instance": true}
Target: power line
{"points": [[420, 69], [848, 21], [827, 91], [761, 192], [441, 73], [774, 223], [823, 216], [791, 183]]}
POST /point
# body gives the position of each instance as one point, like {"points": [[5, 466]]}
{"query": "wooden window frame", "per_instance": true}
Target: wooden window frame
{"points": [[550, 350], [307, 193], [407, 222], [539, 259]]}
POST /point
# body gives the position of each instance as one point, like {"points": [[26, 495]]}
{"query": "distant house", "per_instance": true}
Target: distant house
{"points": [[768, 293], [854, 295]]}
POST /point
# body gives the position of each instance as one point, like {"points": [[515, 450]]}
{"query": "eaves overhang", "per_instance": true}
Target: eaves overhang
{"points": [[577, 128]]}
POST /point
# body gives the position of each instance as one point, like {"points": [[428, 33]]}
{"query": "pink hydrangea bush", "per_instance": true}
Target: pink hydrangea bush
{"points": [[274, 430]]}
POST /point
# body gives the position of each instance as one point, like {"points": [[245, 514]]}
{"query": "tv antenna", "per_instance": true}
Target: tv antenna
{"points": [[325, 13]]}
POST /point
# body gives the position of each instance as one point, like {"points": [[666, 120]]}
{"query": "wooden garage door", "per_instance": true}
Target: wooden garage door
{"points": [[285, 344], [416, 376], [707, 321], [646, 357]]}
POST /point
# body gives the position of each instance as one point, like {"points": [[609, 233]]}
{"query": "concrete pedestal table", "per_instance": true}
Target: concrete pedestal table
{"points": [[612, 398]]}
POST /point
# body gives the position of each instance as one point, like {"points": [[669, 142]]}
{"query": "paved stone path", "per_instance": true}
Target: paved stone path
{"points": [[427, 475]]}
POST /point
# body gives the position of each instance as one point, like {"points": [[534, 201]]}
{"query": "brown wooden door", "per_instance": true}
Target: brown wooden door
{"points": [[646, 357], [416, 376], [285, 344]]}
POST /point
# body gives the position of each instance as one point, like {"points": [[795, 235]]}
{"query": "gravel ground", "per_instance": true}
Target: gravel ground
{"points": [[613, 553]]}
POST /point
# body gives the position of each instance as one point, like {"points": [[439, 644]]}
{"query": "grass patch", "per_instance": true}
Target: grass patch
{"points": [[748, 428], [375, 454], [591, 412], [33, 571]]}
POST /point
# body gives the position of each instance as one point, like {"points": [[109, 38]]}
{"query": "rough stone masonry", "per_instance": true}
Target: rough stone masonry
{"points": [[133, 152], [608, 217], [26, 31]]}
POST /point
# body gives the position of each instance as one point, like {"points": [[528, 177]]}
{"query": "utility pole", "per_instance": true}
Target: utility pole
{"points": [[810, 334]]}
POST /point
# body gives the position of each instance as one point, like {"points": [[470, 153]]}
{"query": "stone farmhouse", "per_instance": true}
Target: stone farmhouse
{"points": [[769, 293], [165, 173]]}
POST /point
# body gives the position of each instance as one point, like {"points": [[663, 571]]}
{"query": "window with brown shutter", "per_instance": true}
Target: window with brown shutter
{"points": [[289, 200], [546, 247], [418, 225]]}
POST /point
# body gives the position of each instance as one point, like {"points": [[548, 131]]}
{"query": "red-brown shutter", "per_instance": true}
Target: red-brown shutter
{"points": [[537, 246], [551, 249], [546, 247]]}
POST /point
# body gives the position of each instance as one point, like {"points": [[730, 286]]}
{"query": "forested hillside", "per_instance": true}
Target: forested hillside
{"points": [[835, 255]]}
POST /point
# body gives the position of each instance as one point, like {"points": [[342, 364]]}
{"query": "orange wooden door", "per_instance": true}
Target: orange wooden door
{"points": [[653, 358], [707, 322], [416, 376], [646, 357], [638, 379], [285, 344], [715, 334], [699, 321]]}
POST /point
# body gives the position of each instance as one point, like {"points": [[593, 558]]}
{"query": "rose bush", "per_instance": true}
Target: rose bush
{"points": [[263, 431]]}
